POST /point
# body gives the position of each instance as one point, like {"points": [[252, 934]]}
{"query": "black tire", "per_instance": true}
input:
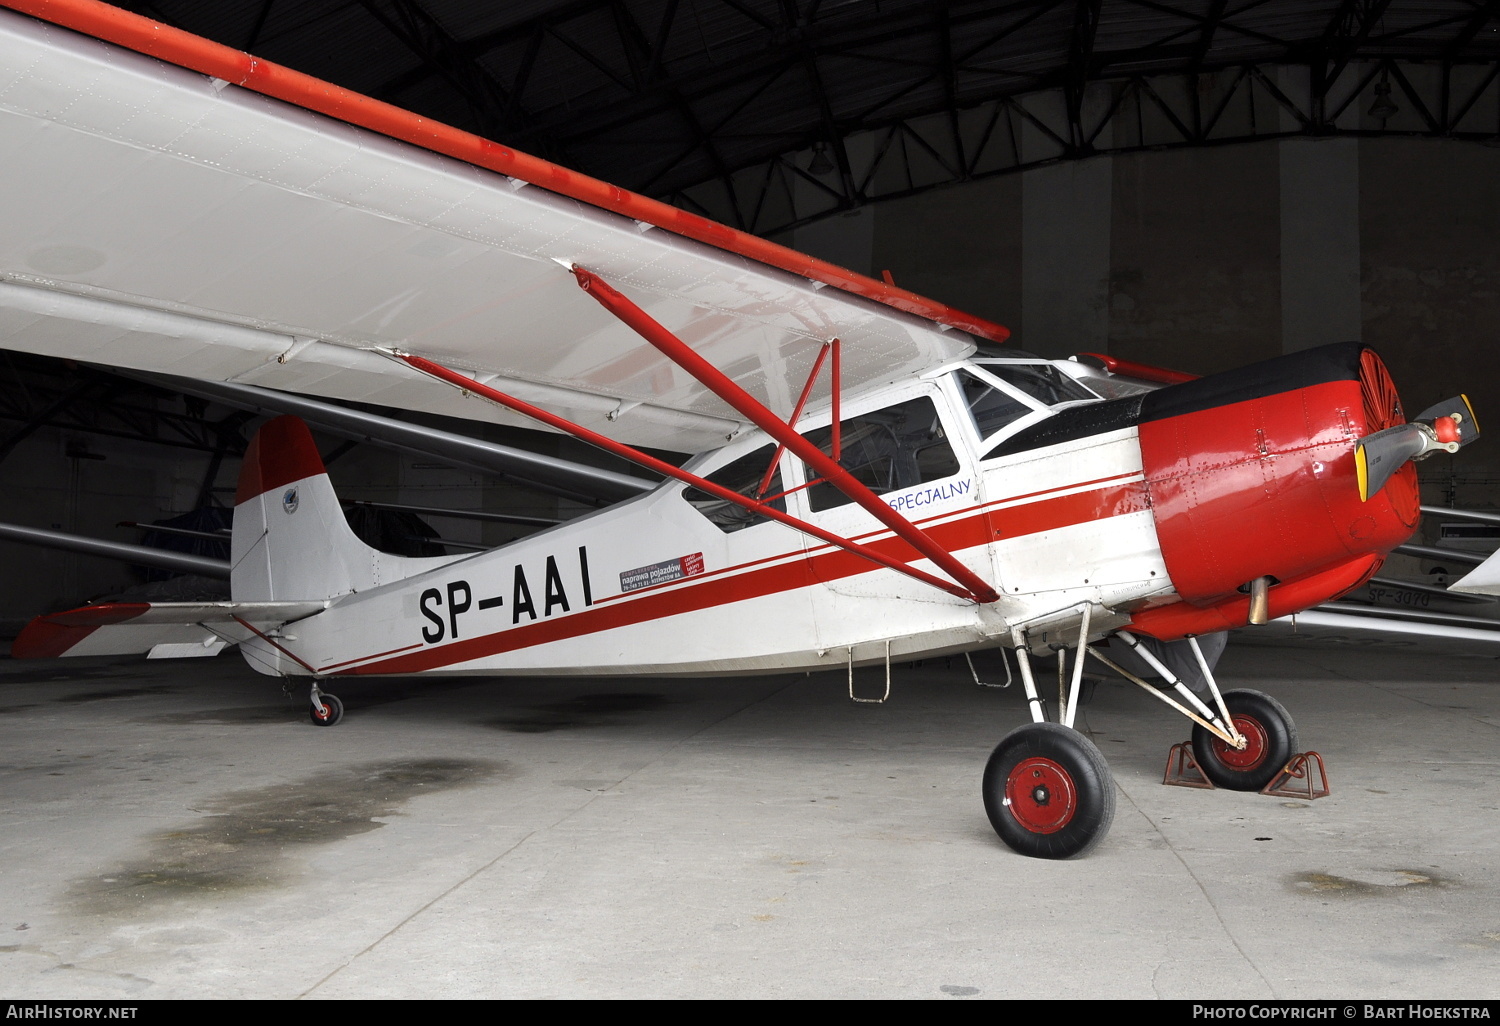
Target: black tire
{"points": [[1049, 792], [1272, 738], [334, 711]]}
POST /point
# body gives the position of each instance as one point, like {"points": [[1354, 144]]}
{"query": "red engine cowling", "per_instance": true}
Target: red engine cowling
{"points": [[1251, 474]]}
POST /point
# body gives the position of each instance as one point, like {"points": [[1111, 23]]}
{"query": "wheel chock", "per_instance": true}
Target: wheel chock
{"points": [[1182, 769], [1304, 776]]}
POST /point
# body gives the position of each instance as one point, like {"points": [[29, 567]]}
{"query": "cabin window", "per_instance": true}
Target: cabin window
{"points": [[990, 407], [1041, 381], [744, 476], [886, 450]]}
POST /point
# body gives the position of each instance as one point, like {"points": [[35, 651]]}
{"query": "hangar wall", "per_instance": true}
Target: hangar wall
{"points": [[82, 484], [1207, 259]]}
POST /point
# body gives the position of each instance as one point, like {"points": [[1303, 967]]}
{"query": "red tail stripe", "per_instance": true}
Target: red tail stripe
{"points": [[281, 452]]}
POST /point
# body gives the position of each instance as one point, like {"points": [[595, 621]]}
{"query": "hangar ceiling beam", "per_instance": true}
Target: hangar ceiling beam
{"points": [[81, 400], [1347, 31], [421, 33], [1483, 15], [1080, 59], [730, 107]]}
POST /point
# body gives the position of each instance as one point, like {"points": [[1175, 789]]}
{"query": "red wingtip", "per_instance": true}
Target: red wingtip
{"points": [[281, 452], [49, 636]]}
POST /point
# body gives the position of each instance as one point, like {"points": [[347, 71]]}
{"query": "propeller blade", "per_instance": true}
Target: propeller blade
{"points": [[1461, 411], [1378, 456]]}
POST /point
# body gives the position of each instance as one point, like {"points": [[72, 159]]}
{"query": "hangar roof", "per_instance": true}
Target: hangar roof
{"points": [[771, 113]]}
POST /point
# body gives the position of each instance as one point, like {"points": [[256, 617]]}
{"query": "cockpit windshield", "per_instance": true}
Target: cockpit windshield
{"points": [[1041, 381]]}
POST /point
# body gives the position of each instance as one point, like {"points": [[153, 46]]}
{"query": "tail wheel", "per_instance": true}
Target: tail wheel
{"points": [[333, 711], [1270, 741], [1048, 791]]}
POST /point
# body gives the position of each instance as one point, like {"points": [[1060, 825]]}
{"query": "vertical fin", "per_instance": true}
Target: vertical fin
{"points": [[290, 540]]}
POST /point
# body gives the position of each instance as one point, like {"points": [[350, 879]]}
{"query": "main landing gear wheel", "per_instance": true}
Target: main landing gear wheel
{"points": [[333, 711], [1270, 736], [1048, 791]]}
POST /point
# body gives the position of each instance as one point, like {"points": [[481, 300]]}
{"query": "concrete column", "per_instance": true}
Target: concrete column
{"points": [[1320, 277], [1065, 235], [1065, 246], [1320, 298]]}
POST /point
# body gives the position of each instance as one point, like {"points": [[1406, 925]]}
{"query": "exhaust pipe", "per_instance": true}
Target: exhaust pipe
{"points": [[1260, 601]]}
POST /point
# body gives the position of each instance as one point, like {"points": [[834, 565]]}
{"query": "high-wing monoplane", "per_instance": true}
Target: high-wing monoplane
{"points": [[870, 483]]}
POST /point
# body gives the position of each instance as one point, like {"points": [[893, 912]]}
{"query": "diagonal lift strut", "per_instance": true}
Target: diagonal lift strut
{"points": [[752, 409]]}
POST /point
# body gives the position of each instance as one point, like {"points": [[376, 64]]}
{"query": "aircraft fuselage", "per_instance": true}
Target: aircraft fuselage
{"points": [[1155, 509]]}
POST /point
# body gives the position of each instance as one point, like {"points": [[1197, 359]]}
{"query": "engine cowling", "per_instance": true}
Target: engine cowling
{"points": [[1252, 474]]}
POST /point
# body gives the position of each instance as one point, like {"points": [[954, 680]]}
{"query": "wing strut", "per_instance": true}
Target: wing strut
{"points": [[711, 377], [812, 378], [472, 387]]}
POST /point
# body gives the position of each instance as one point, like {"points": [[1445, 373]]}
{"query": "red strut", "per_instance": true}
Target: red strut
{"points": [[812, 377], [683, 355]]}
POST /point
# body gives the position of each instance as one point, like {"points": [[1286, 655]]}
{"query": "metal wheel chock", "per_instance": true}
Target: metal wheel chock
{"points": [[1308, 769], [1182, 769]]}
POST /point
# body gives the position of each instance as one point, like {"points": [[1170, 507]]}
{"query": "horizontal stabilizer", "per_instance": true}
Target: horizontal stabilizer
{"points": [[162, 629]]}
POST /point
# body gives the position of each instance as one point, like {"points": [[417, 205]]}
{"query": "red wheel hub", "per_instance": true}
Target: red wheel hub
{"points": [[1256, 745], [1041, 795]]}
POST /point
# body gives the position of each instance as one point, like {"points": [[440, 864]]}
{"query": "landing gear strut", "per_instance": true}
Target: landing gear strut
{"points": [[1049, 793], [1047, 789], [326, 709]]}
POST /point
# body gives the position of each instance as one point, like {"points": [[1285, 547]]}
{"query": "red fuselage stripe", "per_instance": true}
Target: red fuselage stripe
{"points": [[924, 523], [377, 655], [709, 591]]}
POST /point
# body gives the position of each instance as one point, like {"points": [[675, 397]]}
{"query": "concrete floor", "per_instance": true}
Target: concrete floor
{"points": [[179, 829]]}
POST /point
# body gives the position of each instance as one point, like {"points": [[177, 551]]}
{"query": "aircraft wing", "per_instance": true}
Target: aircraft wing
{"points": [[1335, 623], [159, 217], [163, 630], [1484, 579]]}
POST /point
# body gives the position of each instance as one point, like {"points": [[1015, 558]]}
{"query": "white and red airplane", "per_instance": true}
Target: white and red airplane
{"points": [[868, 486]]}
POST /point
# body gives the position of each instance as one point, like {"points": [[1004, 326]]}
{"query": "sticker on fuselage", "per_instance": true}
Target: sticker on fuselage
{"points": [[661, 573]]}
